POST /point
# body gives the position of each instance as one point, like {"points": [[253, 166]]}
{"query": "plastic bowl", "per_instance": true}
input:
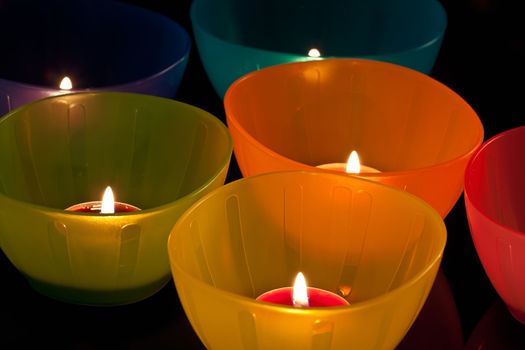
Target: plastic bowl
{"points": [[494, 201], [496, 329], [344, 233], [295, 116], [235, 37], [100, 44], [157, 154]]}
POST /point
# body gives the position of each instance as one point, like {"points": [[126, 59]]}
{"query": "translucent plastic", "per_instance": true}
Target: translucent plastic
{"points": [[495, 201], [344, 233], [100, 44], [415, 130], [235, 37], [496, 330], [438, 325], [157, 154]]}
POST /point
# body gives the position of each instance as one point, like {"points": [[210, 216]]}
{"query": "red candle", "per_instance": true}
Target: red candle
{"points": [[106, 206], [302, 296]]}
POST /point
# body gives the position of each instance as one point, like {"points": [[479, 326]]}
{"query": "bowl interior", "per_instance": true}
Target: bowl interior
{"points": [[63, 150], [337, 28], [255, 234], [111, 43], [494, 179], [318, 112]]}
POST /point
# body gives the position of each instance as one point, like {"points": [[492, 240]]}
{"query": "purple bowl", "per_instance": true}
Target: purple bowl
{"points": [[100, 44]]}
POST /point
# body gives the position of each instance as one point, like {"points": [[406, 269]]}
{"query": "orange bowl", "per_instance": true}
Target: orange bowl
{"points": [[296, 116]]}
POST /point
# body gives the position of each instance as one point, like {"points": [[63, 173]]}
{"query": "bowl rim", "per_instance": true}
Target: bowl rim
{"points": [[204, 115], [231, 119], [196, 21], [179, 59], [468, 172], [431, 264]]}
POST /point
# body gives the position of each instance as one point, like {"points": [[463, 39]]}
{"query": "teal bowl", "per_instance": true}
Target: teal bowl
{"points": [[235, 37]]}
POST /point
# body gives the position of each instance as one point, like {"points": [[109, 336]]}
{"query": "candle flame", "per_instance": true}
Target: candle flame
{"points": [[300, 292], [314, 52], [108, 202], [353, 166], [66, 84]]}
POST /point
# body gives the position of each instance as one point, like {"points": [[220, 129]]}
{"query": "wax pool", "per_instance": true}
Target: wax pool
{"points": [[106, 206], [316, 297], [352, 166], [342, 167], [95, 207]]}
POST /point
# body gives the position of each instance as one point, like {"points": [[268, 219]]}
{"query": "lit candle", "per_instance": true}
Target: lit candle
{"points": [[106, 206], [302, 296], [66, 84], [315, 53], [352, 166]]}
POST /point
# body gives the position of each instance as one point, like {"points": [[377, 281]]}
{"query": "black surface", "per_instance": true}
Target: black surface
{"points": [[482, 59]]}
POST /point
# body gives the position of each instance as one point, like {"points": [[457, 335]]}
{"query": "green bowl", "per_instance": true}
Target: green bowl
{"points": [[156, 153]]}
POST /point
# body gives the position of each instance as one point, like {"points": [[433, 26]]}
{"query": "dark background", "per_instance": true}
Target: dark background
{"points": [[481, 59]]}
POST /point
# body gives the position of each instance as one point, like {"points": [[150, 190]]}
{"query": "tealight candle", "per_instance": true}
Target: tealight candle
{"points": [[302, 296], [352, 166], [106, 206]]}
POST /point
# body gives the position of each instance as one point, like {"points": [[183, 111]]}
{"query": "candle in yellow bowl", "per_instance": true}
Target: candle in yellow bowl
{"points": [[300, 295], [344, 232]]}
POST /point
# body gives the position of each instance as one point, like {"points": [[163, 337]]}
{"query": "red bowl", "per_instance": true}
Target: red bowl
{"points": [[495, 202], [497, 330]]}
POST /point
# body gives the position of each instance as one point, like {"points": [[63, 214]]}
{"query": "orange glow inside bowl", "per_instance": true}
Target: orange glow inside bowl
{"points": [[419, 133]]}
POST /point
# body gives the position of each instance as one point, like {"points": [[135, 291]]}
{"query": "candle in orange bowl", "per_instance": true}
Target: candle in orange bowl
{"points": [[302, 296], [352, 166], [321, 108], [106, 206]]}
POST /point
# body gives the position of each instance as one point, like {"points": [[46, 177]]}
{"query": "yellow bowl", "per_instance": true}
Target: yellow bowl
{"points": [[344, 233]]}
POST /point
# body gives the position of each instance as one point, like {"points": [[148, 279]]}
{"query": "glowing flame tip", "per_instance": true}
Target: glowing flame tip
{"points": [[66, 84], [108, 202], [314, 52], [353, 166], [300, 291]]}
